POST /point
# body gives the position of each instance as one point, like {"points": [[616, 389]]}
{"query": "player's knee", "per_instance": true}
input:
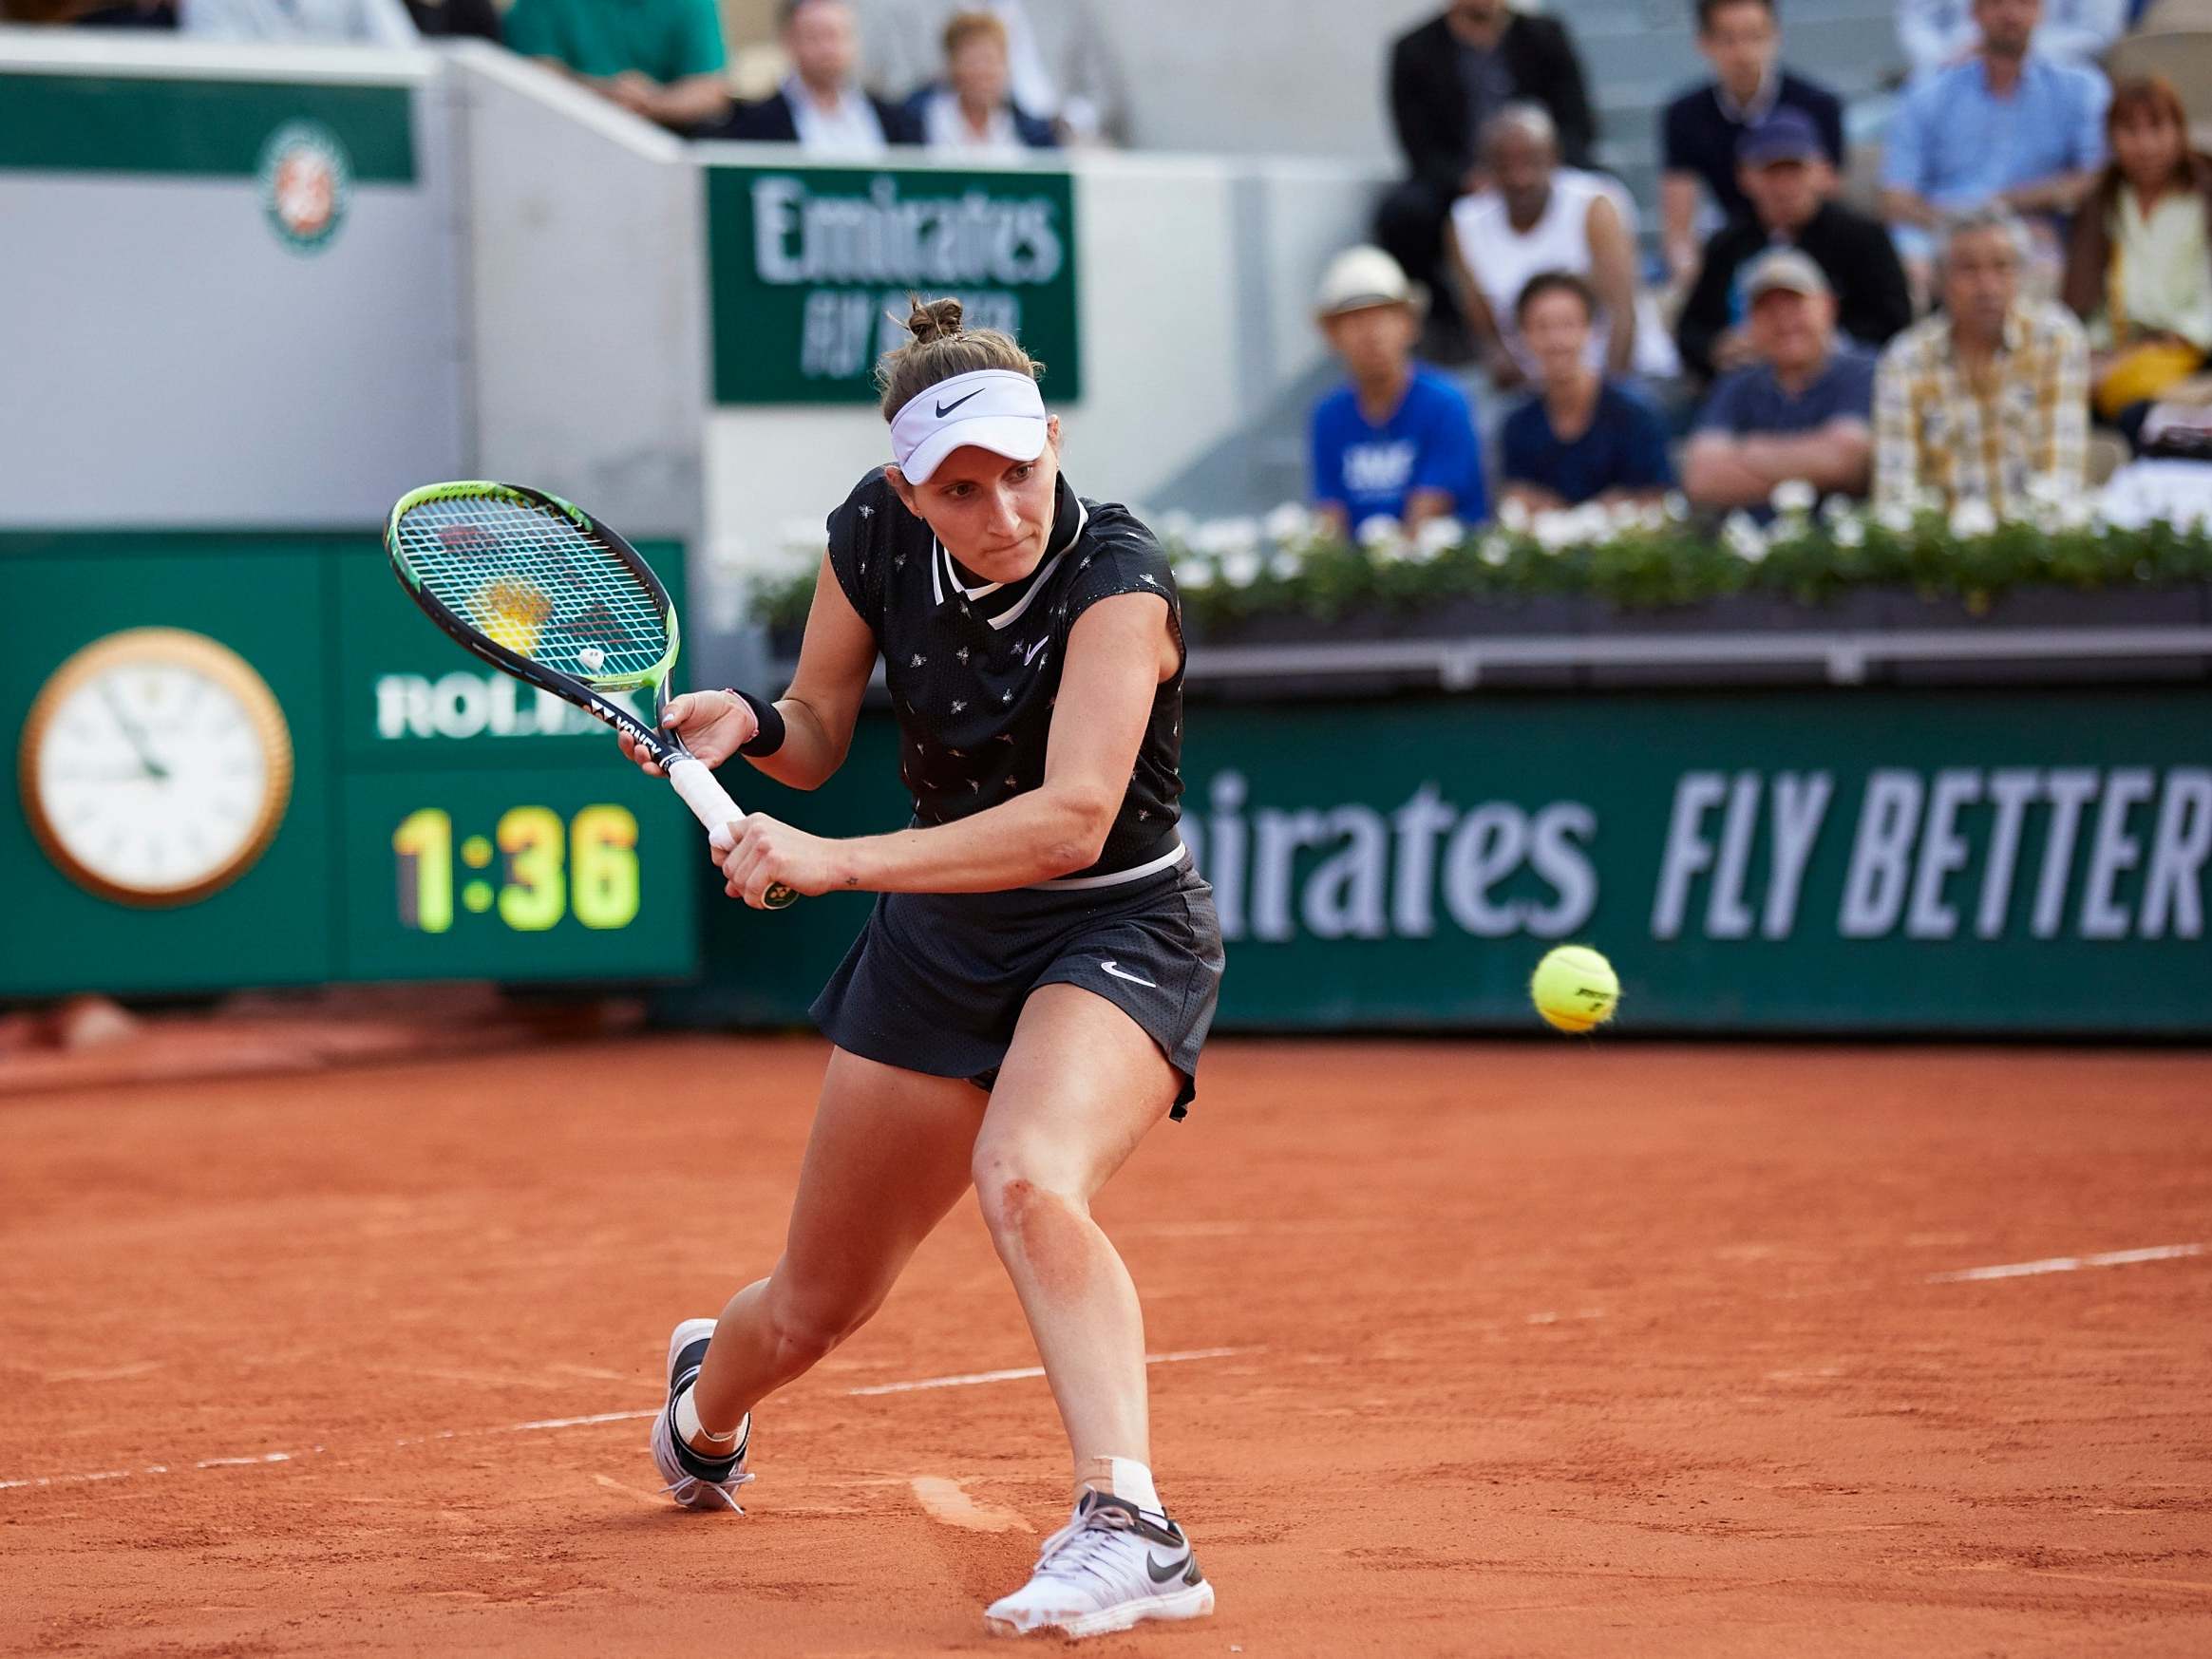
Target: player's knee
{"points": [[1009, 1190]]}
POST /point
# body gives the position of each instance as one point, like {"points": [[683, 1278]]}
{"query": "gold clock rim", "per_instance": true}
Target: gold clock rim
{"points": [[169, 645]]}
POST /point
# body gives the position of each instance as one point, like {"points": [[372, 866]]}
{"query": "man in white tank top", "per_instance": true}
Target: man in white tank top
{"points": [[1536, 217]]}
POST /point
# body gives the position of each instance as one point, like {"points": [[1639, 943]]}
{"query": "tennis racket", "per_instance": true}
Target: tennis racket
{"points": [[542, 590]]}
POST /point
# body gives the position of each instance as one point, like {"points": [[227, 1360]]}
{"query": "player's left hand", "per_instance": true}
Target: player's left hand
{"points": [[765, 853]]}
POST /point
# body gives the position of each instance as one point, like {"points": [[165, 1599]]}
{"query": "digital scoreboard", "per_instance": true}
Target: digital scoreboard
{"points": [[441, 821]]}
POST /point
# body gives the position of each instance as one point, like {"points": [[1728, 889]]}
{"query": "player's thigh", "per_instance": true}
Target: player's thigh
{"points": [[888, 1156], [1080, 1086]]}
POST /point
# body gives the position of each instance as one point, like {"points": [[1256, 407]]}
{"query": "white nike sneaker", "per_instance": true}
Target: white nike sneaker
{"points": [[1106, 1570], [694, 1480]]}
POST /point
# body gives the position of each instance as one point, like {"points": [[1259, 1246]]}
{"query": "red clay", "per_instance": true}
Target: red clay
{"points": [[1556, 1350]]}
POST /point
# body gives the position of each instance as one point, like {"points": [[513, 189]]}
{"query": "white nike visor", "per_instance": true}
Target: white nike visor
{"points": [[992, 408]]}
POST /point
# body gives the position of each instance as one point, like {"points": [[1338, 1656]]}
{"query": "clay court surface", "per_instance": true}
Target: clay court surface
{"points": [[1512, 1349]]}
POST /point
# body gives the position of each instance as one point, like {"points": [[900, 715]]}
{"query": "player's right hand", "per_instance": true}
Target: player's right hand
{"points": [[713, 724]]}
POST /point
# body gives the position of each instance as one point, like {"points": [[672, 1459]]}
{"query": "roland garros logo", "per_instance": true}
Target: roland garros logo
{"points": [[306, 183]]}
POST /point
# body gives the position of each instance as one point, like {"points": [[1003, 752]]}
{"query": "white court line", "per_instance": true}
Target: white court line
{"points": [[972, 1378], [969, 1380], [2015, 1270], [2066, 1264], [160, 1469]]}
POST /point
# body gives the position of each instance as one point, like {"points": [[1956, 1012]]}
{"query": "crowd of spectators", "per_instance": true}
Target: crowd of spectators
{"points": [[987, 80], [2039, 250]]}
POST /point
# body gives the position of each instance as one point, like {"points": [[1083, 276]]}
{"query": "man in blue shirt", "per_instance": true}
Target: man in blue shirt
{"points": [[1399, 441], [1803, 412], [2007, 126], [1584, 438]]}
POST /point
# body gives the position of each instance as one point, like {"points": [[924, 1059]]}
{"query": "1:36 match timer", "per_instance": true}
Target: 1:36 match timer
{"points": [[531, 871]]}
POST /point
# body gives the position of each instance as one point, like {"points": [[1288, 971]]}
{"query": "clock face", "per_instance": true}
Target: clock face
{"points": [[156, 766]]}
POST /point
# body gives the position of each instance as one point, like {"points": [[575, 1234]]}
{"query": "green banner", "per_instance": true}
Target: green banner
{"points": [[132, 123], [808, 267], [2012, 862], [441, 822]]}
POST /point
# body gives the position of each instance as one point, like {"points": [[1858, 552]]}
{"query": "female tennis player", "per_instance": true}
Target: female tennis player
{"points": [[1038, 974]]}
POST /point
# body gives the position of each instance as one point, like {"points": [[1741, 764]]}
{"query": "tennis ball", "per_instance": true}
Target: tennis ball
{"points": [[513, 610], [1574, 988]]}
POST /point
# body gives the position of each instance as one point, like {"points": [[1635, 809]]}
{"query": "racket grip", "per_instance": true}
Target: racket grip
{"points": [[712, 806], [704, 794]]}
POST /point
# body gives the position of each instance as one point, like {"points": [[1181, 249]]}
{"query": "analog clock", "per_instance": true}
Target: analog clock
{"points": [[156, 766]]}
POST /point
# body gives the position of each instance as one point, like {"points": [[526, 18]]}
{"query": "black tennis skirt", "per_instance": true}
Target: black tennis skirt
{"points": [[937, 980]]}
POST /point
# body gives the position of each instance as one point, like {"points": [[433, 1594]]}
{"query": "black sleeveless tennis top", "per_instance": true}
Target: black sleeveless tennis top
{"points": [[974, 670]]}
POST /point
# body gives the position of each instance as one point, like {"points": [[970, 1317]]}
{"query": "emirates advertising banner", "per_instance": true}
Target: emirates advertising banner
{"points": [[808, 268], [2001, 862]]}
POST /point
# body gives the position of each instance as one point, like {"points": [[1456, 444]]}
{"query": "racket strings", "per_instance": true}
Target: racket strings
{"points": [[535, 583]]}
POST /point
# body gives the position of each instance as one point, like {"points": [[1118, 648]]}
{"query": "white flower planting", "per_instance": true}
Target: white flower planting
{"points": [[1514, 515], [1553, 532], [1973, 517], [1289, 522], [1894, 517], [1438, 534], [1241, 569], [1495, 548], [1849, 530], [1793, 494], [1742, 537], [1194, 575], [1222, 537]]}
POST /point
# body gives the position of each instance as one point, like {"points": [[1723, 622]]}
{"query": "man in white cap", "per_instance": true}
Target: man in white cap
{"points": [[1802, 410], [1397, 440]]}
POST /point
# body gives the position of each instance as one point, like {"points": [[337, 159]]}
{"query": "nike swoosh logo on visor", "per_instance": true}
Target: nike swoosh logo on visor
{"points": [[944, 409], [1162, 1575]]}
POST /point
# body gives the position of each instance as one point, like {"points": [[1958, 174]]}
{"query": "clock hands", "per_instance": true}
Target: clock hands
{"points": [[133, 732]]}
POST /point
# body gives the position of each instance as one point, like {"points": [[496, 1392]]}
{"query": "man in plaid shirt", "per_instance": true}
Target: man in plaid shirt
{"points": [[1988, 400]]}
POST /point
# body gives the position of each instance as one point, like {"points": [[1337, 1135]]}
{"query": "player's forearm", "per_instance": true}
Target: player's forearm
{"points": [[812, 751], [1036, 836]]}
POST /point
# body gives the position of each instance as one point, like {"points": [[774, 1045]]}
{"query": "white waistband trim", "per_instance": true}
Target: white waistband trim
{"points": [[1175, 855]]}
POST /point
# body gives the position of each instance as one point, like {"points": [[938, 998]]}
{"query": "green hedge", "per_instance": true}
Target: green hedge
{"points": [[1234, 570]]}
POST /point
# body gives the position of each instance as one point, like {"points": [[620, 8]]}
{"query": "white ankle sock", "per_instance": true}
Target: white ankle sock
{"points": [[693, 1433], [1125, 1479]]}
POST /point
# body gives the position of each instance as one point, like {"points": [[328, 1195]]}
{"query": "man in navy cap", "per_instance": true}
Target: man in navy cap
{"points": [[1785, 173], [1699, 129]]}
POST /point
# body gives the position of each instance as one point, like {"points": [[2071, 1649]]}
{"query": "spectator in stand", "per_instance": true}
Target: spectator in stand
{"points": [[819, 106], [1702, 131], [968, 113], [1583, 437], [1988, 400], [1537, 216], [450, 19], [1786, 173], [1398, 441], [1062, 67], [1939, 34], [373, 23], [2139, 271], [2008, 127], [1450, 79], [660, 59], [1799, 411]]}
